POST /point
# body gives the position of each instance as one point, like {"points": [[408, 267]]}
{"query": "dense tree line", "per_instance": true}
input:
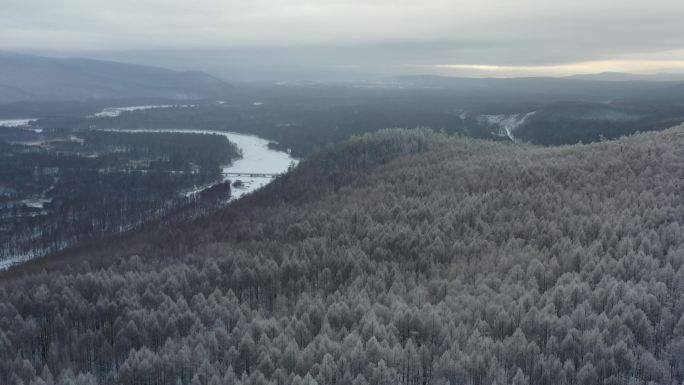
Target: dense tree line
{"points": [[303, 126], [305, 118], [109, 183], [572, 122], [179, 149], [403, 257], [88, 204]]}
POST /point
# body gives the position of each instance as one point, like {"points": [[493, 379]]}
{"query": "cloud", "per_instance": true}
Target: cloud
{"points": [[662, 62], [511, 35]]}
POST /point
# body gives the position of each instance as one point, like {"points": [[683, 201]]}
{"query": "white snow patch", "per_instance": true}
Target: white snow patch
{"points": [[507, 124], [111, 112], [16, 122], [15, 260], [36, 203]]}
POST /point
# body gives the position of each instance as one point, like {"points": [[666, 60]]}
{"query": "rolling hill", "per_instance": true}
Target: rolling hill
{"points": [[35, 78], [403, 256]]}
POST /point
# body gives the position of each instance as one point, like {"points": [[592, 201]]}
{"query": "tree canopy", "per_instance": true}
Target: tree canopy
{"points": [[401, 257]]}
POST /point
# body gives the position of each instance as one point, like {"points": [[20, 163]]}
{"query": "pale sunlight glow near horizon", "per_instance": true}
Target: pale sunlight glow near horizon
{"points": [[646, 66], [459, 37]]}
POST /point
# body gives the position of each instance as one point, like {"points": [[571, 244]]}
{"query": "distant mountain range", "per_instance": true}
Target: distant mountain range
{"points": [[37, 78], [582, 83], [596, 88], [624, 77]]}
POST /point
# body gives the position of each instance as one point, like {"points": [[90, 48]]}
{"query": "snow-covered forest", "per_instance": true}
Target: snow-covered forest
{"points": [[400, 257]]}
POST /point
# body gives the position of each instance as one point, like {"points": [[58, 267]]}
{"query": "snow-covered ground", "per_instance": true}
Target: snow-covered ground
{"points": [[16, 122], [15, 260], [507, 124], [112, 112], [36, 203]]}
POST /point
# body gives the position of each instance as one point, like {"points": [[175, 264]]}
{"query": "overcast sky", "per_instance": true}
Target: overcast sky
{"points": [[474, 38]]}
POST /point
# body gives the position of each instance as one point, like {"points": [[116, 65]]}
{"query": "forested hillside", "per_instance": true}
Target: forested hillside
{"points": [[37, 78], [59, 188], [401, 257]]}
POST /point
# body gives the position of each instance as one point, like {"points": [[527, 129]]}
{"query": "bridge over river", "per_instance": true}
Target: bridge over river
{"points": [[249, 175]]}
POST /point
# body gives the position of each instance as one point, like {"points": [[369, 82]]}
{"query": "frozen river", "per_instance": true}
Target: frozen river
{"points": [[257, 158]]}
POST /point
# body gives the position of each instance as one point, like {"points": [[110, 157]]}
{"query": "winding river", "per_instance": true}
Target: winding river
{"points": [[257, 158]]}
